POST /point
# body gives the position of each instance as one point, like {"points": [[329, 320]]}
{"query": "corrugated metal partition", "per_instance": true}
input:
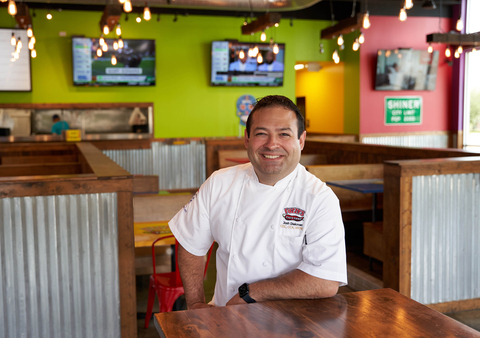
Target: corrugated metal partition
{"points": [[178, 166], [59, 266], [418, 141], [445, 238]]}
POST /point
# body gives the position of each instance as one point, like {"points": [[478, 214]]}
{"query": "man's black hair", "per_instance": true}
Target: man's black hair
{"points": [[54, 117], [277, 101]]}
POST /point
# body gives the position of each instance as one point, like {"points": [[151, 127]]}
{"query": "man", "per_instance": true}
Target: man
{"points": [[59, 126], [270, 63], [243, 64], [279, 228]]}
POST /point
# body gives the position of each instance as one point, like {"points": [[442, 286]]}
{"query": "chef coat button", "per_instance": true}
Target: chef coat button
{"points": [[265, 264], [271, 226], [233, 256], [232, 289], [238, 219]]}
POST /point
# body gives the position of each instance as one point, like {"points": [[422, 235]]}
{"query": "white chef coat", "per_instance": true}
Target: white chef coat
{"points": [[264, 231]]}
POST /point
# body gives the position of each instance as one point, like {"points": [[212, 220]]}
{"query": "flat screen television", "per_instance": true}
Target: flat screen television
{"points": [[406, 69], [228, 69], [15, 74], [135, 63]]}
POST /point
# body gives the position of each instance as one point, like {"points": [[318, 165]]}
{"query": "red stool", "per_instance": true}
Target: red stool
{"points": [[168, 286]]}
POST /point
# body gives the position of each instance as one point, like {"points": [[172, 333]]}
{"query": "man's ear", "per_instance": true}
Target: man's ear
{"points": [[246, 138], [302, 139]]}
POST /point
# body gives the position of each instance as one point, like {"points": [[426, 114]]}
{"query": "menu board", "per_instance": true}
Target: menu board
{"points": [[15, 75]]}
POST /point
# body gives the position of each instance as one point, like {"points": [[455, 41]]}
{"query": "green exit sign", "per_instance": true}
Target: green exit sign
{"points": [[403, 110]]}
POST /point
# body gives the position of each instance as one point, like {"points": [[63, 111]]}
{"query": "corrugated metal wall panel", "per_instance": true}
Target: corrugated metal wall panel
{"points": [[59, 266], [445, 238], [178, 166], [419, 141]]}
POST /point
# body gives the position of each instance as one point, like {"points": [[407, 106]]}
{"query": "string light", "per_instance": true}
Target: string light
{"points": [[33, 53], [361, 38], [101, 41], [115, 45], [12, 7], [120, 42], [402, 16], [245, 22], [127, 6], [138, 19], [99, 52], [49, 15], [255, 51], [457, 54], [459, 49], [366, 20], [430, 48], [241, 55], [408, 4], [277, 24], [105, 47], [388, 53], [19, 44], [459, 25], [250, 52], [259, 58], [114, 60], [356, 45], [263, 36], [118, 30], [336, 57], [147, 15], [340, 40], [275, 49], [13, 40], [121, 1], [299, 66], [29, 31], [448, 52], [106, 30]]}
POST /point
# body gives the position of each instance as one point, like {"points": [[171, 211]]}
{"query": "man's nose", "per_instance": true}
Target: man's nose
{"points": [[271, 143]]}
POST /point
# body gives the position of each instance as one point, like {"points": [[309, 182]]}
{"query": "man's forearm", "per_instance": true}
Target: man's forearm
{"points": [[191, 270], [294, 285]]}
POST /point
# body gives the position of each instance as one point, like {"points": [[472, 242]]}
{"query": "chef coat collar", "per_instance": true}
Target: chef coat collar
{"points": [[283, 183]]}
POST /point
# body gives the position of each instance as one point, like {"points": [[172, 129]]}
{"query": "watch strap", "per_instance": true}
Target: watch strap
{"points": [[243, 292]]}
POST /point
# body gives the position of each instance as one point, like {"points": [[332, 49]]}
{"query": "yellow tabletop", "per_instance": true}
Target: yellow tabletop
{"points": [[147, 232]]}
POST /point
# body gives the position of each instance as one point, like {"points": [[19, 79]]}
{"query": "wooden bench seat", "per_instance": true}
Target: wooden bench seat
{"points": [[373, 243]]}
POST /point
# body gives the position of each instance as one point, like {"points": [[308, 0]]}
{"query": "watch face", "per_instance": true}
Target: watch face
{"points": [[243, 290]]}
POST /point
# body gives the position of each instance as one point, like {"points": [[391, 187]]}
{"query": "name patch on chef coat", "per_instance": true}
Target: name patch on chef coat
{"points": [[293, 217], [185, 207]]}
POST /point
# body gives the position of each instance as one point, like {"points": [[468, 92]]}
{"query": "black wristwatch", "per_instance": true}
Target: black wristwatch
{"points": [[243, 293]]}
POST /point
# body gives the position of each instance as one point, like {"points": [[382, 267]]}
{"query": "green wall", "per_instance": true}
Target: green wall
{"points": [[184, 102]]}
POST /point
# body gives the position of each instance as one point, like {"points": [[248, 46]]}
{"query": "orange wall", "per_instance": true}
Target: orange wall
{"points": [[324, 102]]}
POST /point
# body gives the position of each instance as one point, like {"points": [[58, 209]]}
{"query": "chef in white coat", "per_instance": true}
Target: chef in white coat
{"points": [[279, 229]]}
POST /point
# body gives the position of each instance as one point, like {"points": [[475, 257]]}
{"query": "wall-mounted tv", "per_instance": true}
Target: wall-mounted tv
{"points": [[15, 75], [135, 63], [229, 69], [406, 69]]}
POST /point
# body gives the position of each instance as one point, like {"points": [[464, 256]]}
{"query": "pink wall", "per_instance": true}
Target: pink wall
{"points": [[387, 32]]}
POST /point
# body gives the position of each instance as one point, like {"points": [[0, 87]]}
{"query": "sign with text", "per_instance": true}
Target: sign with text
{"points": [[73, 135], [403, 110]]}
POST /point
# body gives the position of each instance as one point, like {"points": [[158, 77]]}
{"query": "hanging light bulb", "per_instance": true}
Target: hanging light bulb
{"points": [[271, 42], [277, 24], [255, 51], [101, 41], [29, 31], [99, 52], [19, 44], [115, 45], [106, 30], [474, 49], [114, 60], [127, 6], [118, 30], [105, 47], [402, 16], [12, 7], [456, 54], [138, 19], [263, 36], [250, 52], [408, 4], [259, 58], [459, 25], [448, 52], [335, 56], [13, 40], [33, 53], [49, 15], [361, 38], [388, 53], [241, 55], [366, 20], [275, 49], [31, 45], [16, 55], [147, 15], [245, 22], [460, 49], [356, 45], [33, 40], [120, 42], [340, 40], [430, 48], [121, 1]]}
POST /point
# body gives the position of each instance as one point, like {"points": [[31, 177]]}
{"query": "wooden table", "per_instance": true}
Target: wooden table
{"points": [[373, 313]]}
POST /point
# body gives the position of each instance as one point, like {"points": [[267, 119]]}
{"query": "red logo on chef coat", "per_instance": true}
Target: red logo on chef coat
{"points": [[294, 214]]}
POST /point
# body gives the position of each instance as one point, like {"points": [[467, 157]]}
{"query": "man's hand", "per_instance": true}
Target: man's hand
{"points": [[199, 306], [236, 300]]}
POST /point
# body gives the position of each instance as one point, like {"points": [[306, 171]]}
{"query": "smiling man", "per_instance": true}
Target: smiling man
{"points": [[279, 229]]}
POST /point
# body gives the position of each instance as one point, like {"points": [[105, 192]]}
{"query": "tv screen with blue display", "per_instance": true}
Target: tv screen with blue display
{"points": [[135, 64], [232, 65]]}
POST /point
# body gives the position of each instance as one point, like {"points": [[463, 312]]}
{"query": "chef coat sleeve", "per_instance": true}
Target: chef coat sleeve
{"points": [[324, 253], [191, 225]]}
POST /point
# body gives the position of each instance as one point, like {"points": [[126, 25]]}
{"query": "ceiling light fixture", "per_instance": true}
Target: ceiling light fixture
{"points": [[361, 38], [138, 19], [114, 60], [366, 20], [29, 31], [263, 36], [408, 4], [101, 41], [340, 40], [336, 57], [12, 7], [120, 42], [115, 45], [105, 47], [459, 49], [448, 52], [402, 16], [106, 30], [31, 43], [241, 55], [430, 48], [263, 22], [459, 25], [245, 22], [147, 15], [33, 53], [299, 66], [127, 6], [260, 58], [13, 40], [275, 48], [19, 44], [356, 45], [118, 30], [466, 41], [99, 52], [121, 1], [49, 15]]}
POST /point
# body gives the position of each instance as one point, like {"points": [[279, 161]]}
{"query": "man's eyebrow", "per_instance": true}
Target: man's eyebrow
{"points": [[278, 129]]}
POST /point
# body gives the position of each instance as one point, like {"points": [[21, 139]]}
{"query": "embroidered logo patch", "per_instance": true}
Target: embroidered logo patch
{"points": [[294, 214], [185, 207]]}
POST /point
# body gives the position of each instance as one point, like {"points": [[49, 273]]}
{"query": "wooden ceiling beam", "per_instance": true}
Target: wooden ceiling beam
{"points": [[262, 22], [344, 26], [455, 39]]}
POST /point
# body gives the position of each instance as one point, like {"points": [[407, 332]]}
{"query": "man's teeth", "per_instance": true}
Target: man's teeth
{"points": [[271, 156]]}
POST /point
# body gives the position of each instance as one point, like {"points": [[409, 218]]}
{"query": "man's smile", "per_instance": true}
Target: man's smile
{"points": [[271, 157]]}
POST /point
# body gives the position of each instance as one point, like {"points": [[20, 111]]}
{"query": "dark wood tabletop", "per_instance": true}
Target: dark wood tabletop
{"points": [[373, 313]]}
